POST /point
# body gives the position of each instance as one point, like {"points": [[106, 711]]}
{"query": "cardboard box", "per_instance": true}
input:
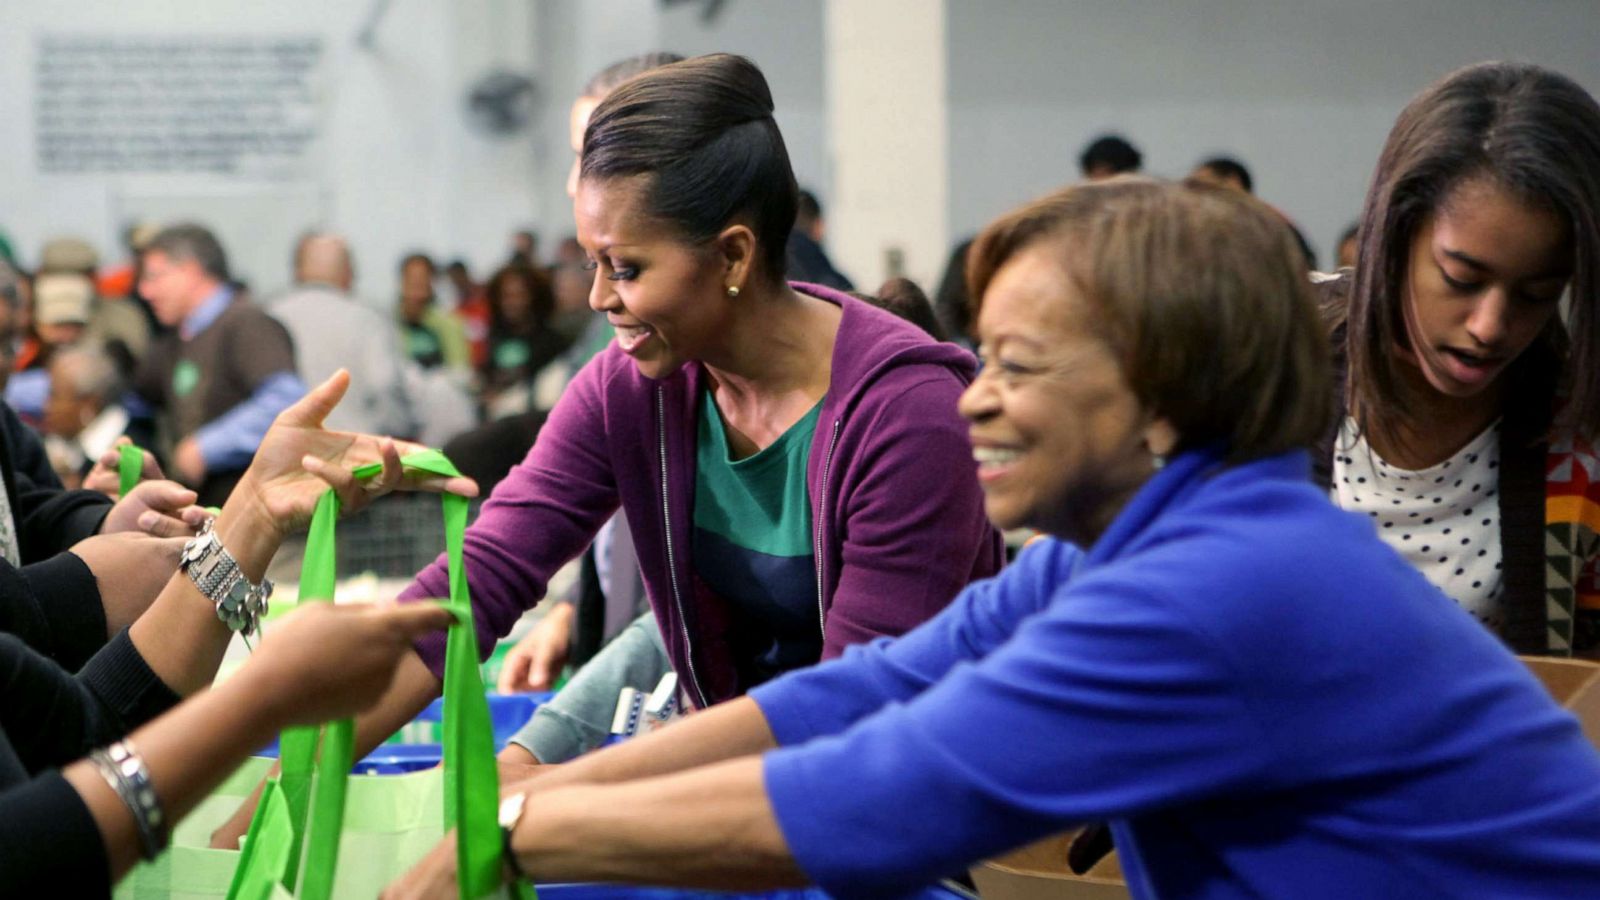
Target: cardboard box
{"points": [[1039, 871], [1575, 683]]}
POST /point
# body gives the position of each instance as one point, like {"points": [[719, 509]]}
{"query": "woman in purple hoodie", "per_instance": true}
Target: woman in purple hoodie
{"points": [[789, 459]]}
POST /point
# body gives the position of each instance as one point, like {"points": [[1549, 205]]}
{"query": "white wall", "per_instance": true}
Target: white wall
{"points": [[577, 38], [784, 37], [1302, 92], [399, 169]]}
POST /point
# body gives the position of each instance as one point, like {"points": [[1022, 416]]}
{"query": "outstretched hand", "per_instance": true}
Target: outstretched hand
{"points": [[536, 661], [324, 660], [298, 460]]}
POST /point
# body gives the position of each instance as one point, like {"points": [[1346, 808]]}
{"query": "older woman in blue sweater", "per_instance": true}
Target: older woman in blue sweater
{"points": [[1260, 695]]}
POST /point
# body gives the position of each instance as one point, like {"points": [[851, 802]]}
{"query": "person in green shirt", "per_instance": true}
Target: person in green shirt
{"points": [[430, 335]]}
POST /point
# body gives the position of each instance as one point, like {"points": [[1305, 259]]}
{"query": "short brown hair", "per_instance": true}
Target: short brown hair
{"points": [[1202, 295]]}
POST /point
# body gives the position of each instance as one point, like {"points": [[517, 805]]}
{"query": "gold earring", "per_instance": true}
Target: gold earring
{"points": [[733, 290]]}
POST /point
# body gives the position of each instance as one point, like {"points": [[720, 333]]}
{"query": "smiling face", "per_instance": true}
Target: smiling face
{"points": [[664, 297], [1060, 438], [1486, 273]]}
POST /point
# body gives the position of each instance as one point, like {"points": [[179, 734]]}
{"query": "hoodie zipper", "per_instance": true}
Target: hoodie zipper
{"points": [[672, 566], [822, 516]]}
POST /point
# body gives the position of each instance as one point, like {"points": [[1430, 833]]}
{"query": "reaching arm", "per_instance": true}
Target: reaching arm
{"points": [[320, 663], [188, 752], [54, 607], [725, 738], [542, 515], [688, 805], [830, 697], [710, 827]]}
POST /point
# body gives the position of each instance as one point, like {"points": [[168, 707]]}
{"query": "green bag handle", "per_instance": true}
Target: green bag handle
{"points": [[130, 465], [265, 858], [314, 784]]}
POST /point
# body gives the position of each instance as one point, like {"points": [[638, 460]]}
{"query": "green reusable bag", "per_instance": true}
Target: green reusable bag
{"points": [[314, 777], [189, 869], [263, 860]]}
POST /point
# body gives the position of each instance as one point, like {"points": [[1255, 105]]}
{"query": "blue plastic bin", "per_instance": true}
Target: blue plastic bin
{"points": [[507, 713]]}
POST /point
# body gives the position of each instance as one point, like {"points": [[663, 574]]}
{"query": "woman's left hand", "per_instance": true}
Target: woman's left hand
{"points": [[298, 460]]}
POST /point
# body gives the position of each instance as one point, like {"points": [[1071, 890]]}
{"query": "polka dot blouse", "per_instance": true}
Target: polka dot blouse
{"points": [[1445, 519]]}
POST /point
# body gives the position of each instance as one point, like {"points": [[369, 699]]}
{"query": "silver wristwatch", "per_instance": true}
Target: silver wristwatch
{"points": [[216, 574]]}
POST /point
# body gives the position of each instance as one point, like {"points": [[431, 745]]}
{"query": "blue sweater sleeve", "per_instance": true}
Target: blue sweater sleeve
{"points": [[830, 697], [1105, 700], [230, 440]]}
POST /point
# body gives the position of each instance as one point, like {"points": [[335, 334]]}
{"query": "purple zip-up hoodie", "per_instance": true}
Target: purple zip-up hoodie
{"points": [[898, 520]]}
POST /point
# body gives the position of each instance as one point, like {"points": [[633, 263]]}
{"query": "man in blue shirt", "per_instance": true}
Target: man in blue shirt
{"points": [[224, 372]]}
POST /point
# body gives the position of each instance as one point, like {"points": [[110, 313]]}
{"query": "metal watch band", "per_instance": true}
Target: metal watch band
{"points": [[124, 770], [239, 604]]}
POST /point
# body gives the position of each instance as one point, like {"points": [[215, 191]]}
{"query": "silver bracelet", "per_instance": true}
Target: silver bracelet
{"points": [[122, 768], [239, 604]]}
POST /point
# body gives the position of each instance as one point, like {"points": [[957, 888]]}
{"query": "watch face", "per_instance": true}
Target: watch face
{"points": [[511, 810]]}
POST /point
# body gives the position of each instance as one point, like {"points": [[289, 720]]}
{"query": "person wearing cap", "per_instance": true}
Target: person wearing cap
{"points": [[224, 371], [121, 324], [61, 304]]}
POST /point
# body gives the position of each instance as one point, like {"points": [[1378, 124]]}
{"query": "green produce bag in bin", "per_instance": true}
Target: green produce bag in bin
{"points": [[314, 780]]}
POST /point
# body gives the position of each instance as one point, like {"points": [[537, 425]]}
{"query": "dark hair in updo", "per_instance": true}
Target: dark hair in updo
{"points": [[702, 129], [608, 79]]}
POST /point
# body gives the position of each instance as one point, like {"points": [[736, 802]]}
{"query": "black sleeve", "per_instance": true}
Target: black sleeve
{"points": [[49, 843], [49, 518], [51, 718], [54, 607], [28, 458]]}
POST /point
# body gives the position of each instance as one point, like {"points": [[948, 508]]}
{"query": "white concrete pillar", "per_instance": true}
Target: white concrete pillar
{"points": [[887, 114]]}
